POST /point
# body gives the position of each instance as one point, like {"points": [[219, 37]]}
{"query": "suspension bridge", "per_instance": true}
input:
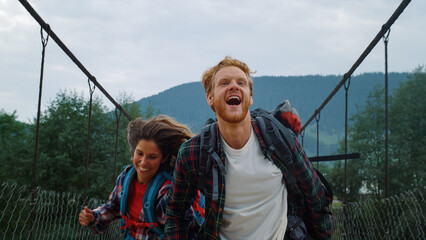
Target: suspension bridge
{"points": [[30, 212]]}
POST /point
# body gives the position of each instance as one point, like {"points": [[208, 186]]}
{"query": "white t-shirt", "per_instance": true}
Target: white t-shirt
{"points": [[256, 196]]}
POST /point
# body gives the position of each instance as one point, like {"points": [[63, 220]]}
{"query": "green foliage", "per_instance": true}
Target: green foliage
{"points": [[187, 102], [63, 142], [62, 145], [366, 136], [120, 122], [408, 133], [15, 150], [365, 176]]}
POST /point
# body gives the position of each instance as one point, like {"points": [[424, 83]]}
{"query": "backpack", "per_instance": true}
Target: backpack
{"points": [[280, 142], [149, 199]]}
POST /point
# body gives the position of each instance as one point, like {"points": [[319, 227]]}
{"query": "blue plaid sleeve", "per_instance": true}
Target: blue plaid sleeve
{"points": [[107, 213]]}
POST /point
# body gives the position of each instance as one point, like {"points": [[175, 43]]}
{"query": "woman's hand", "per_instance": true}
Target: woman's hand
{"points": [[86, 216]]}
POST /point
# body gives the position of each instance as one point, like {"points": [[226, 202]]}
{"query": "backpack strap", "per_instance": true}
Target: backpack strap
{"points": [[199, 208], [207, 155], [149, 199], [288, 137], [264, 116], [270, 129], [125, 192], [202, 162]]}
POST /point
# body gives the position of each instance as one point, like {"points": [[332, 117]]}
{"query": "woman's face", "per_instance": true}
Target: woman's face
{"points": [[147, 160]]}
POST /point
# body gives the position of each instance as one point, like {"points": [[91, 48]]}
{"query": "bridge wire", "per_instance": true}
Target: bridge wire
{"points": [[64, 48], [86, 177], [346, 86], [358, 62], [44, 42], [385, 41], [117, 119], [317, 118]]}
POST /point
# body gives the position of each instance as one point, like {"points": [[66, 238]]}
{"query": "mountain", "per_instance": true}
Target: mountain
{"points": [[187, 102]]}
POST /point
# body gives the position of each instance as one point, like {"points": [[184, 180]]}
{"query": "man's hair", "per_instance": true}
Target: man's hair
{"points": [[164, 131], [209, 74]]}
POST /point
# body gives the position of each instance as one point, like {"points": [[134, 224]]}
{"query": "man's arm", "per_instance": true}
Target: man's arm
{"points": [[182, 192], [314, 191], [312, 187]]}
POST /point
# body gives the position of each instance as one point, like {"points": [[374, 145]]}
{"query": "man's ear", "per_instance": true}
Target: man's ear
{"points": [[210, 99]]}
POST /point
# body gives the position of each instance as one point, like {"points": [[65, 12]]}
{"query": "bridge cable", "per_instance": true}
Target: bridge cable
{"points": [[64, 48], [44, 42], [385, 41], [383, 30], [117, 117], [346, 86], [86, 178], [317, 118]]}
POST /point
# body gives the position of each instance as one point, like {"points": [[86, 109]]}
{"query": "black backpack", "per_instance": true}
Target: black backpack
{"points": [[281, 143]]}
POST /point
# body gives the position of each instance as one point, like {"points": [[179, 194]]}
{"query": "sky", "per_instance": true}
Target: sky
{"points": [[141, 48]]}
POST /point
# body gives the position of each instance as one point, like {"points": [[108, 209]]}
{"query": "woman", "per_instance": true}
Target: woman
{"points": [[154, 145]]}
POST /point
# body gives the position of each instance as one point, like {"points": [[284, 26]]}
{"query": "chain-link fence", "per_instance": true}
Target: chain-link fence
{"points": [[40, 214], [398, 217]]}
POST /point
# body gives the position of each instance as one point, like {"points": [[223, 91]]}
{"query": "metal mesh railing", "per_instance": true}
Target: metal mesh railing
{"points": [[56, 216], [397, 217]]}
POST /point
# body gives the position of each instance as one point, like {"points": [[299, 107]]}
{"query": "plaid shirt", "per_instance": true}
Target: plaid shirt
{"points": [[307, 197], [106, 213]]}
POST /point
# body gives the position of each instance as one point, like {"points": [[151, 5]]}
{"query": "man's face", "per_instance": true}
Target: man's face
{"points": [[231, 96]]}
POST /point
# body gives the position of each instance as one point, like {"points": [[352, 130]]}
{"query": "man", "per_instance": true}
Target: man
{"points": [[252, 200]]}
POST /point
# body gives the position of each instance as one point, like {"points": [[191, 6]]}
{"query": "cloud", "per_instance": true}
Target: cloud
{"points": [[145, 47]]}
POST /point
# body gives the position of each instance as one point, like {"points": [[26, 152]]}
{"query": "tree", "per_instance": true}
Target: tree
{"points": [[366, 136], [62, 143], [122, 157], [407, 139], [408, 133], [15, 152], [62, 147]]}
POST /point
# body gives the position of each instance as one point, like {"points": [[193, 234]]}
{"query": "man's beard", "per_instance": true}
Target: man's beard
{"points": [[220, 108]]}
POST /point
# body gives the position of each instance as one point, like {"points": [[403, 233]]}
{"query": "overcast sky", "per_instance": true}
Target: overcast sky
{"points": [[145, 47]]}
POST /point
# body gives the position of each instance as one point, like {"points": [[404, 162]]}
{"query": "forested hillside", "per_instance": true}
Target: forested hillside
{"points": [[188, 105], [63, 153]]}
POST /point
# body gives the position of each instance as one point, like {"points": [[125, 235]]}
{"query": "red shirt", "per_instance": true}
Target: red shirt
{"points": [[135, 201]]}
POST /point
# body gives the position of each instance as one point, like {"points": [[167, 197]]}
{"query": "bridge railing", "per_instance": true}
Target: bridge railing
{"points": [[397, 217], [56, 216]]}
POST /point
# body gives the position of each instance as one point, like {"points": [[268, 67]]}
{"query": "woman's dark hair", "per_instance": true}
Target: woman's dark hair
{"points": [[164, 131]]}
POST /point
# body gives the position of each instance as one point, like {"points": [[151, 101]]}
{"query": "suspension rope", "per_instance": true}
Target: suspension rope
{"points": [[367, 51], [44, 42], [86, 182], [117, 119], [64, 48], [302, 135], [385, 41], [317, 118], [346, 86]]}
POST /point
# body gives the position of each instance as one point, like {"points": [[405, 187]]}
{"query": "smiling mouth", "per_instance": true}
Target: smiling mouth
{"points": [[233, 100], [144, 169]]}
